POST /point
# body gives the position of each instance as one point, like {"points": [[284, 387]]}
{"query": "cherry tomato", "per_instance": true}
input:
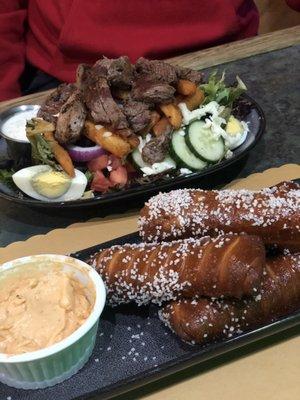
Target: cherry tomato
{"points": [[119, 176], [98, 163], [100, 183]]}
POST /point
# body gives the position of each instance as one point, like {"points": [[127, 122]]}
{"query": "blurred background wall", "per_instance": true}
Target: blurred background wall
{"points": [[276, 14]]}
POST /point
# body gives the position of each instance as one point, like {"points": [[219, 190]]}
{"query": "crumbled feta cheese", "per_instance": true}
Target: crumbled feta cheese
{"points": [[157, 168], [185, 171], [228, 154], [215, 122], [212, 108]]}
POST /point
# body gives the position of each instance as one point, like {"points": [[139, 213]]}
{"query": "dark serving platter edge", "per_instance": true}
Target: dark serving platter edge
{"points": [[257, 121], [201, 355], [210, 352]]}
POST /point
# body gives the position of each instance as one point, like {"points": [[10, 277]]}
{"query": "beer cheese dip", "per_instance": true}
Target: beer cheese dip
{"points": [[41, 303]]}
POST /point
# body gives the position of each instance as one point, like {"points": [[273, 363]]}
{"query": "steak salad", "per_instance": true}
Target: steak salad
{"points": [[121, 125]]}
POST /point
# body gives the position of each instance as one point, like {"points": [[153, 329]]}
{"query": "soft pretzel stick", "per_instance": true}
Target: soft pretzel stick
{"points": [[198, 321], [273, 214], [229, 265]]}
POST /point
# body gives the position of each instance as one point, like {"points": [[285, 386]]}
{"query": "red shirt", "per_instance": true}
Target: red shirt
{"points": [[55, 36]]}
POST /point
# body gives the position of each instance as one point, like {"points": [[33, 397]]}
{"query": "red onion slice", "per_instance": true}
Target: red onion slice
{"points": [[84, 154]]}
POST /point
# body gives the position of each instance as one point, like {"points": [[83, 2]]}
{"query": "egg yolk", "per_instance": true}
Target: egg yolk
{"points": [[51, 184], [234, 127]]}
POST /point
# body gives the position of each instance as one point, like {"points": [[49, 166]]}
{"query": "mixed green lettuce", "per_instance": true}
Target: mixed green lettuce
{"points": [[216, 90], [41, 151], [6, 176]]}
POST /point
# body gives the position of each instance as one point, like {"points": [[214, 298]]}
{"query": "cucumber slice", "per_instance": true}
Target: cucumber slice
{"points": [[202, 143], [137, 159], [182, 154]]}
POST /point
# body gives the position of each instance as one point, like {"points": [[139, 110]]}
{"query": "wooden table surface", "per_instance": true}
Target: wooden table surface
{"points": [[206, 58]]}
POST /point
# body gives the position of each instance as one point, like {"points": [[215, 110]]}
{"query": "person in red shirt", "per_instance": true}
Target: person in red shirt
{"points": [[43, 41]]}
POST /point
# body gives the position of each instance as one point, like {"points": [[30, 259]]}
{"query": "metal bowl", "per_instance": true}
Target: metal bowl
{"points": [[19, 151]]}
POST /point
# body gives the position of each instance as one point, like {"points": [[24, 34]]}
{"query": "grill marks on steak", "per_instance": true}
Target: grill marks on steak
{"points": [[153, 81], [55, 101], [156, 71], [156, 149], [103, 108], [118, 95], [152, 92], [138, 114], [83, 75], [189, 74], [71, 119], [94, 82], [118, 72]]}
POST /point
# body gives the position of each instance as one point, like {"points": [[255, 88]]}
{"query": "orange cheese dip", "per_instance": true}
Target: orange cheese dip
{"points": [[40, 304]]}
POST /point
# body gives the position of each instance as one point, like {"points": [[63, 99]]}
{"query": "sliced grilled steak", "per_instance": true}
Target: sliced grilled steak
{"points": [[54, 102], [189, 74], [71, 119], [156, 70], [83, 75], [98, 99], [152, 92], [120, 94], [118, 72], [156, 149], [138, 114]]}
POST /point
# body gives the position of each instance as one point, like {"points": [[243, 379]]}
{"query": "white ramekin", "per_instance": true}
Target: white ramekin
{"points": [[54, 364]]}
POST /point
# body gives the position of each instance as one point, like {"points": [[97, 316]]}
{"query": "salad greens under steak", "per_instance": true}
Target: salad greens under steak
{"points": [[216, 90]]}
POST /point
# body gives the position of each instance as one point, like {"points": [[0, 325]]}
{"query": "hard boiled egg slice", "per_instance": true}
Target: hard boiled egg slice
{"points": [[27, 180], [236, 133]]}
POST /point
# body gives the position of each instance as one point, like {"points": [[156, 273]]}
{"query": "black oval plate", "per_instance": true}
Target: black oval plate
{"points": [[256, 122]]}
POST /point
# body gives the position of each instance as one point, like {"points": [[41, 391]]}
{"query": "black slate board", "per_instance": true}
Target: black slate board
{"points": [[157, 352]]}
